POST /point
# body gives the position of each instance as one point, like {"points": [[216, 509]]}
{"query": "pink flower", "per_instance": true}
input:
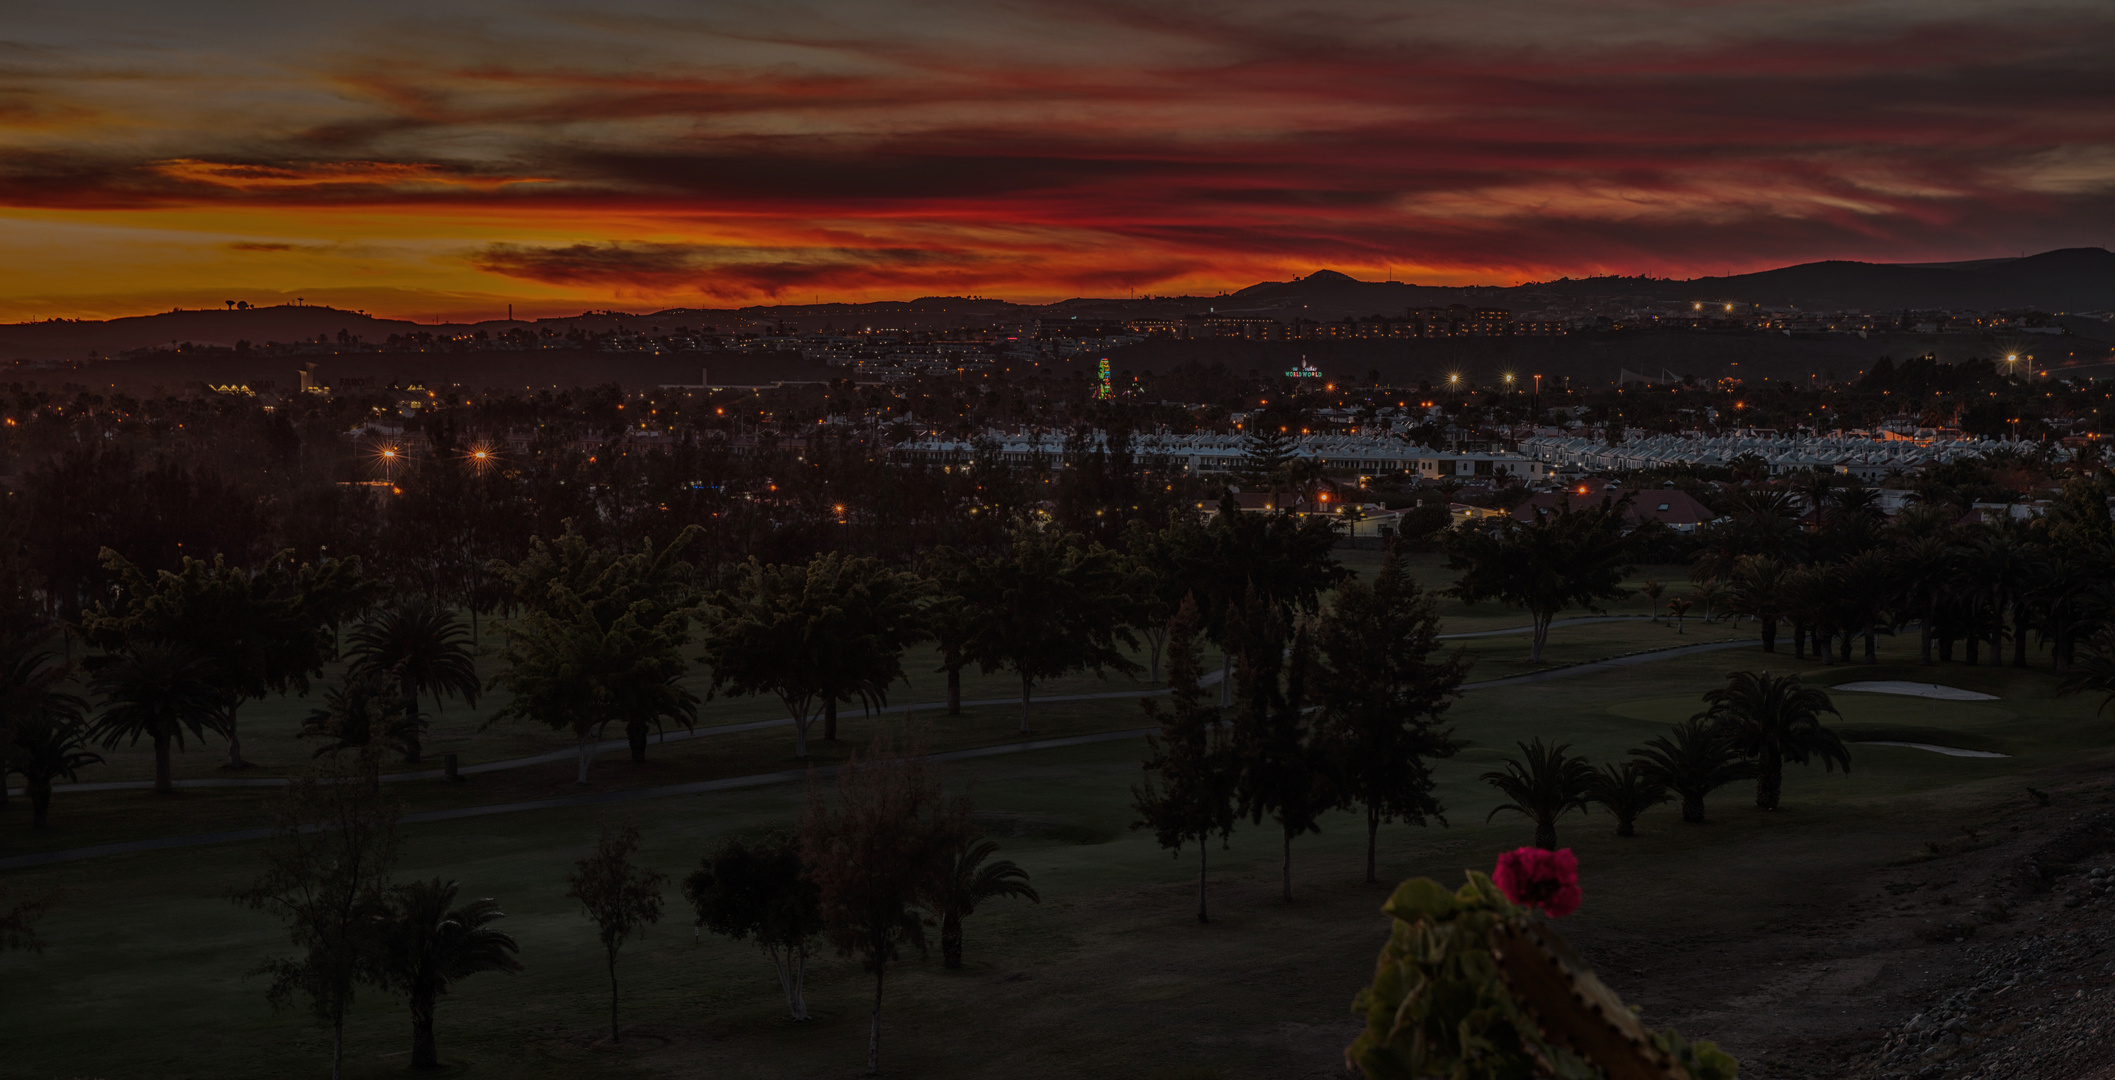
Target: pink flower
{"points": [[1532, 877]]}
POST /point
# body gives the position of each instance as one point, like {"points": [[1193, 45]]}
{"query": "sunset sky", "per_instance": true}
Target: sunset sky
{"points": [[452, 156]]}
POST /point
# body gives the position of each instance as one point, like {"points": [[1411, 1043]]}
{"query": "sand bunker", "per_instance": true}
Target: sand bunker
{"points": [[1914, 689], [1949, 751]]}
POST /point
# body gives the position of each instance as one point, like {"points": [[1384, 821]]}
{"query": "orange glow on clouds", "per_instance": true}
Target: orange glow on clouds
{"points": [[436, 159]]}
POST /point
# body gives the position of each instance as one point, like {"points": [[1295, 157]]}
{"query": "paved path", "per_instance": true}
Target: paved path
{"points": [[1555, 625], [733, 783]]}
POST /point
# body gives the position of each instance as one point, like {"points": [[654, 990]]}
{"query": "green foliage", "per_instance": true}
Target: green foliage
{"points": [[1286, 767], [326, 876], [1188, 791], [622, 897], [1383, 694], [759, 889], [1439, 1005], [267, 629], [426, 649], [1575, 557], [1052, 604], [810, 633], [52, 746], [570, 671]]}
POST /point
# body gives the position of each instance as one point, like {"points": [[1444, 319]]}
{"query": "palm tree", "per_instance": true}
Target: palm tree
{"points": [[159, 693], [1694, 763], [1773, 719], [1627, 790], [49, 747], [1679, 608], [1549, 784], [30, 679], [427, 947], [1651, 590], [426, 649], [362, 712], [1757, 590], [966, 881]]}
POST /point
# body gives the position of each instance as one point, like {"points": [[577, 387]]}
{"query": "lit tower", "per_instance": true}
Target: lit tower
{"points": [[1101, 389]]}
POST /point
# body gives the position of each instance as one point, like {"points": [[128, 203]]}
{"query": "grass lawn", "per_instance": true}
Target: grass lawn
{"points": [[145, 969]]}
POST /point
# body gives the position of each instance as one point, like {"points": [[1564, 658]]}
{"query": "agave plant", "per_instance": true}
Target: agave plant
{"points": [[1543, 787]]}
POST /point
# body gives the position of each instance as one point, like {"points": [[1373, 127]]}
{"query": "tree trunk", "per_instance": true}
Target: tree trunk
{"points": [[951, 940], [1026, 685], [423, 1053], [1546, 835], [800, 984], [954, 688], [164, 783], [337, 1045], [635, 733], [1542, 634], [2019, 635], [235, 739], [614, 1036], [1924, 639], [587, 756], [1288, 866], [1203, 846], [39, 792], [1769, 635], [1872, 654], [1799, 640], [830, 720], [412, 748], [801, 722], [1626, 826], [874, 1027], [1157, 638], [1971, 648], [1693, 809], [1226, 680], [1843, 645], [1770, 785], [1373, 836]]}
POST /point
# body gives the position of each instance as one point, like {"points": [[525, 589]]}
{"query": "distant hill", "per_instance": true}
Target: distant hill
{"points": [[2070, 280]]}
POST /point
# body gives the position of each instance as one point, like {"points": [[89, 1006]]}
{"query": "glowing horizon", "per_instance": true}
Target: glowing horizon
{"points": [[444, 160]]}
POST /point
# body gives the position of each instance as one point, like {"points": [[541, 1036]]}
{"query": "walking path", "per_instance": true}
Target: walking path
{"points": [[1530, 628], [733, 783]]}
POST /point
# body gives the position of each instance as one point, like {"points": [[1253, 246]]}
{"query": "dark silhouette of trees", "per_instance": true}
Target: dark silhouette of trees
{"points": [[52, 745], [1285, 766], [1188, 793], [1625, 791], [569, 670], [621, 896], [362, 712], [267, 629], [428, 944], [1383, 693], [426, 649], [1542, 785], [157, 692], [1051, 605], [1773, 719], [810, 634], [759, 889], [326, 876], [876, 854], [1693, 761], [966, 882], [1573, 557]]}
